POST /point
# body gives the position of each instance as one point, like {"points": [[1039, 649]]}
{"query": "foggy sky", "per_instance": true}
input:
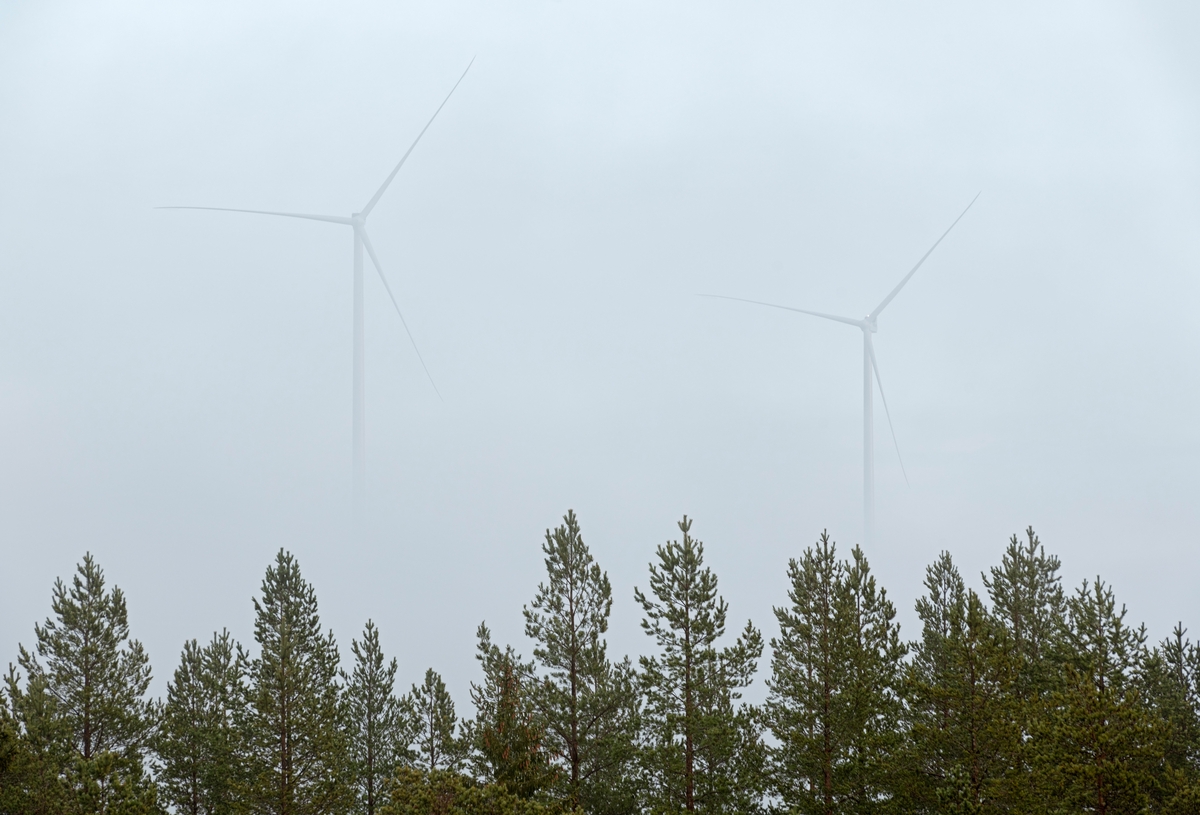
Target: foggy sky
{"points": [[175, 386]]}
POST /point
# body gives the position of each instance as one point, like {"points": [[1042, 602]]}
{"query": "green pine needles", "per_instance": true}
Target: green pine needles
{"points": [[1016, 697], [834, 704], [378, 724], [702, 751], [84, 710], [198, 738], [589, 704], [438, 743]]}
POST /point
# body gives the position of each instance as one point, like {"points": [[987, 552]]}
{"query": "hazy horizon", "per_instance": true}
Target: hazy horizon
{"points": [[175, 386]]}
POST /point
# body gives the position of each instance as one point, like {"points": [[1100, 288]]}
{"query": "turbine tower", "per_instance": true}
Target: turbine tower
{"points": [[358, 221], [868, 325]]}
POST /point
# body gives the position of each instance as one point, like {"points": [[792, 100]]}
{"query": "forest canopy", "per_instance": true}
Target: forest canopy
{"points": [[1027, 697]]}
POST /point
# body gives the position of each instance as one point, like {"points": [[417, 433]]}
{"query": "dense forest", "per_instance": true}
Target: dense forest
{"points": [[1030, 698]]}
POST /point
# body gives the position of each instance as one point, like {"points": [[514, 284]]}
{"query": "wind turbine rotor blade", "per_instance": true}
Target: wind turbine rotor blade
{"points": [[333, 219], [846, 320], [896, 290], [379, 194], [379, 268], [886, 412]]}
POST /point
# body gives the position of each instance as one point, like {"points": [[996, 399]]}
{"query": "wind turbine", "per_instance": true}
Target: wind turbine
{"points": [[868, 325], [358, 221]]}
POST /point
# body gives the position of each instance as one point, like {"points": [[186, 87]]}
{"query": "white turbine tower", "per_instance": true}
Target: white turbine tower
{"points": [[357, 221], [868, 326]]}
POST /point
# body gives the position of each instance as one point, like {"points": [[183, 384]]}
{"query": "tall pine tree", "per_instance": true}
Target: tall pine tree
{"points": [[508, 734], [1173, 690], [959, 685], [197, 744], [1027, 599], [295, 749], [38, 752], [702, 749], [589, 704], [97, 677], [379, 724], [1097, 746], [833, 705], [437, 743]]}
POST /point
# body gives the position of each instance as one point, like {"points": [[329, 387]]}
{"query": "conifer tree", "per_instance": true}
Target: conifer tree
{"points": [[1173, 692], [295, 750], [589, 705], [97, 677], [833, 704], [508, 734], [702, 751], [962, 733], [10, 747], [39, 749], [379, 724], [197, 744], [1097, 748], [437, 747], [1027, 600], [442, 792]]}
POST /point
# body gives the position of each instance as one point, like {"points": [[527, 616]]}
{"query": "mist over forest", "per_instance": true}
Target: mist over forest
{"points": [[303, 447]]}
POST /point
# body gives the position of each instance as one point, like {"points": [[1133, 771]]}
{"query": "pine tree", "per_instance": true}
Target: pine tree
{"points": [[437, 745], [959, 684], [1173, 692], [197, 745], [380, 726], [1028, 602], [10, 754], [38, 752], [442, 792], [295, 750], [98, 678], [703, 752], [508, 735], [1097, 747], [833, 704], [589, 705], [1027, 598]]}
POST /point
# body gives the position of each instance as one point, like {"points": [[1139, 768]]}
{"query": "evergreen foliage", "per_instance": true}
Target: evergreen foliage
{"points": [[1027, 599], [92, 690], [379, 725], [703, 751], [295, 752], [1029, 605], [508, 734], [959, 686], [1173, 691], [1098, 748], [438, 745], [38, 749], [1021, 700], [198, 744], [97, 675], [443, 792], [834, 702], [588, 704]]}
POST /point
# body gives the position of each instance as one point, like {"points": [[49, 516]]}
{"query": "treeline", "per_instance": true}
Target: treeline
{"points": [[1026, 699]]}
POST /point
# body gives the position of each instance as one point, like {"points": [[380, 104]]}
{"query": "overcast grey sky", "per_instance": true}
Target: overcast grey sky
{"points": [[175, 386]]}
